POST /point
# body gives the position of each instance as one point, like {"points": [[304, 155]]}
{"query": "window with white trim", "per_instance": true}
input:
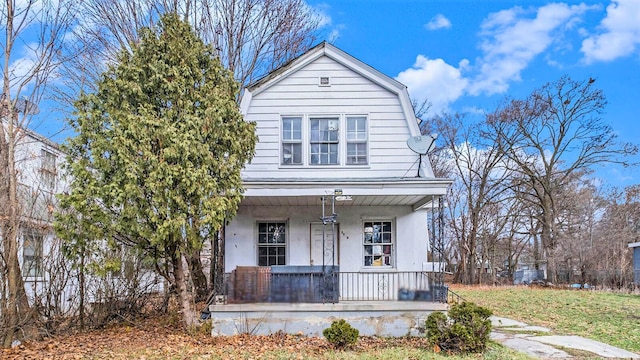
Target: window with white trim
{"points": [[378, 243], [291, 141], [48, 170], [32, 241], [324, 141], [272, 244], [357, 140]]}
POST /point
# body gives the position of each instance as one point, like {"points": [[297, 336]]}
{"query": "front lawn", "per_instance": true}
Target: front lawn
{"points": [[613, 318]]}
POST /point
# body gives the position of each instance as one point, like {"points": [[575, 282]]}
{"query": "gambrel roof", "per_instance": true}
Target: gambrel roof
{"points": [[341, 57]]}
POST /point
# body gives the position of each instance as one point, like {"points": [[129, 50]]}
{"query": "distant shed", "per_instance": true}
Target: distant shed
{"points": [[636, 262]]}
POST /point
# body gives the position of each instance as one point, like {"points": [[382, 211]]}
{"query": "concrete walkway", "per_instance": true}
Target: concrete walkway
{"points": [[533, 341]]}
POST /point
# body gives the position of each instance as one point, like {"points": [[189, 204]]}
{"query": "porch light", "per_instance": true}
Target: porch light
{"points": [[338, 196], [343, 198]]}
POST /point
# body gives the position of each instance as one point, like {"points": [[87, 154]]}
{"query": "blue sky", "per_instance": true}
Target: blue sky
{"points": [[467, 55]]}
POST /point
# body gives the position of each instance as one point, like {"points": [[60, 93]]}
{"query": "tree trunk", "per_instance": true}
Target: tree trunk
{"points": [[471, 258], [10, 249], [198, 277], [19, 313], [217, 262], [548, 241], [81, 288], [185, 297]]}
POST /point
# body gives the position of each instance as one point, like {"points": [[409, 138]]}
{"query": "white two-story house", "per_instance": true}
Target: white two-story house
{"points": [[333, 183]]}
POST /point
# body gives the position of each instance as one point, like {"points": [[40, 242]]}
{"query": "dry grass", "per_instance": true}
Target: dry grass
{"points": [[163, 338], [613, 318]]}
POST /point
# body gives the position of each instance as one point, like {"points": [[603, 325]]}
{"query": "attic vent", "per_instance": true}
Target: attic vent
{"points": [[324, 81]]}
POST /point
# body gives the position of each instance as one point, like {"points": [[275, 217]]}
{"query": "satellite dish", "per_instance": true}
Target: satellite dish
{"points": [[421, 146]]}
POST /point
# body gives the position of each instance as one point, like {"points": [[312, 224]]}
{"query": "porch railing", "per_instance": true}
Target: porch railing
{"points": [[317, 284], [387, 285]]}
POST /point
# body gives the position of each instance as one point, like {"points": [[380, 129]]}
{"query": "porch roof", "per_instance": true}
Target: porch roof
{"points": [[415, 192]]}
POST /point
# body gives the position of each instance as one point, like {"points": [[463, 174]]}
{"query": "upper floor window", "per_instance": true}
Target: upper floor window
{"points": [[356, 140], [47, 170], [32, 253], [291, 141], [324, 141]]}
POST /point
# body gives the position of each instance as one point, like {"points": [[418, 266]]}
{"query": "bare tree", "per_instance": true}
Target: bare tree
{"points": [[252, 37], [616, 225], [575, 209], [550, 135], [475, 197]]}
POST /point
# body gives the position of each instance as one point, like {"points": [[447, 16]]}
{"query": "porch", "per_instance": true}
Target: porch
{"points": [[327, 284], [306, 299]]}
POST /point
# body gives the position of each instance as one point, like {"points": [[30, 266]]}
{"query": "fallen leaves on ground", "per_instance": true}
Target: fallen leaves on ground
{"points": [[151, 339]]}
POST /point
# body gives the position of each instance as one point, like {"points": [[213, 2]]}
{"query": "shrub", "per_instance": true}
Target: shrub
{"points": [[341, 334], [466, 330]]}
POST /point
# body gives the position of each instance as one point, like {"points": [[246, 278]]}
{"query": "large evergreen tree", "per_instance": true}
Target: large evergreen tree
{"points": [[157, 157]]}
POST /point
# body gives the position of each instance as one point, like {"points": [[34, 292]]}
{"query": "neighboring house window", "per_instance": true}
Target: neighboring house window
{"points": [[48, 170], [356, 140], [272, 243], [32, 253], [324, 142], [378, 243], [291, 141]]}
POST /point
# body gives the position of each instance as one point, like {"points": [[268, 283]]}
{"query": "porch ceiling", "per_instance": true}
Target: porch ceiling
{"points": [[415, 192], [360, 200]]}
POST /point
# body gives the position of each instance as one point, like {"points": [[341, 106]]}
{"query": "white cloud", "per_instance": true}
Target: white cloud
{"points": [[335, 33], [620, 34], [511, 39], [325, 21], [22, 68], [434, 80], [321, 11], [438, 22]]}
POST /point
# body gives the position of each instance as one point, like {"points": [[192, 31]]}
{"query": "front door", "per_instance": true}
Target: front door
{"points": [[330, 247]]}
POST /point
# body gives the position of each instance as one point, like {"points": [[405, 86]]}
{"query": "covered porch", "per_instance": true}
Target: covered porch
{"points": [[302, 253], [362, 225]]}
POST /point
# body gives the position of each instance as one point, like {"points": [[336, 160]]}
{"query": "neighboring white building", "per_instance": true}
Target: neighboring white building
{"points": [[38, 167], [51, 281], [333, 130], [38, 163]]}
